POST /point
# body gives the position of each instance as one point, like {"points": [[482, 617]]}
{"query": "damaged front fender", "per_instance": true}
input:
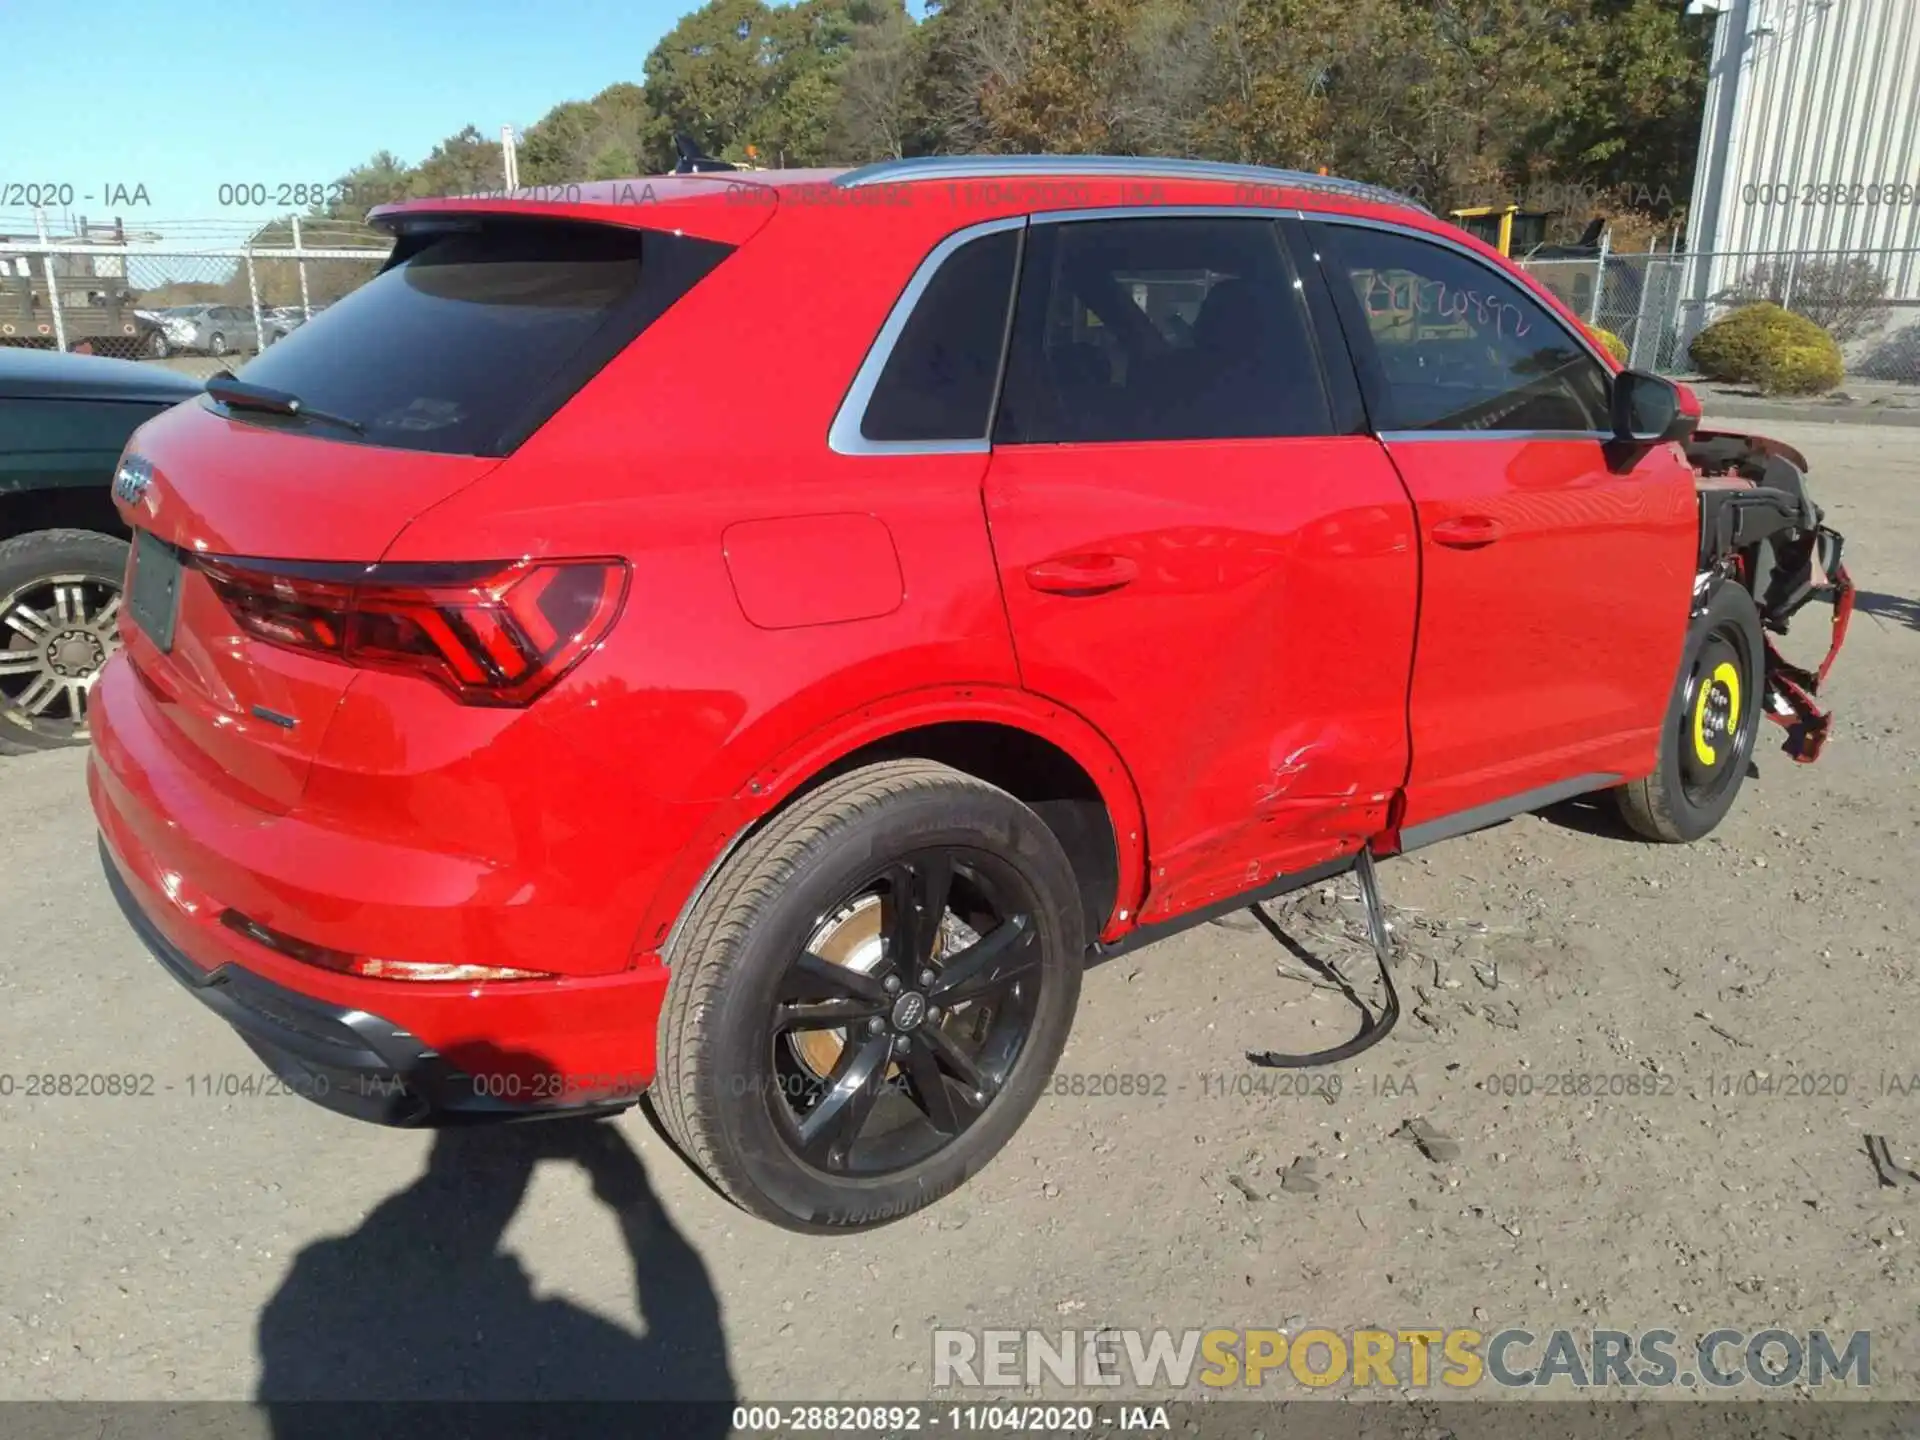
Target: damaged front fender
{"points": [[1760, 527]]}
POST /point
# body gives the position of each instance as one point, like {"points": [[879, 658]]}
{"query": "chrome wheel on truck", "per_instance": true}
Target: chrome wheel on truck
{"points": [[870, 996], [59, 619]]}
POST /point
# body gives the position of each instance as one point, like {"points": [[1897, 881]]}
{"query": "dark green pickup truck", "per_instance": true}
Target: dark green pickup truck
{"points": [[63, 422], [97, 317]]}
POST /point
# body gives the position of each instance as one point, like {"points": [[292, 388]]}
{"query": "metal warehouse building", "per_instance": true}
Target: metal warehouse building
{"points": [[1810, 148]]}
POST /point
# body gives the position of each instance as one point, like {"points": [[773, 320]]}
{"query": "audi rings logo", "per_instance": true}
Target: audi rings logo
{"points": [[131, 480]]}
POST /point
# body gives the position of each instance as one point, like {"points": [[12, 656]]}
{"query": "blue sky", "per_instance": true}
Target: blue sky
{"points": [[182, 96]]}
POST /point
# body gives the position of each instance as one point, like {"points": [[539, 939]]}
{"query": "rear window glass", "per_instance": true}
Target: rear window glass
{"points": [[470, 340]]}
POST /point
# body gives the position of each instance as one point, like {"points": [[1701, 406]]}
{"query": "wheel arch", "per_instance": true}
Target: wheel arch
{"points": [[59, 507], [1039, 752]]}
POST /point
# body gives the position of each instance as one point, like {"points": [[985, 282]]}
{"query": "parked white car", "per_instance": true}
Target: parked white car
{"points": [[207, 330]]}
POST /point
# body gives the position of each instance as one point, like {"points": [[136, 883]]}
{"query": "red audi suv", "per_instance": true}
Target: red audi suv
{"points": [[755, 637]]}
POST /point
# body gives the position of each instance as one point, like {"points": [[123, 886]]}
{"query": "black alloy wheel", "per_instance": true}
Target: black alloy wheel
{"points": [[898, 1023], [868, 997]]}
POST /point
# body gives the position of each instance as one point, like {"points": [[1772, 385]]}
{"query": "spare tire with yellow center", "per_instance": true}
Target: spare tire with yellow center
{"points": [[1712, 722]]}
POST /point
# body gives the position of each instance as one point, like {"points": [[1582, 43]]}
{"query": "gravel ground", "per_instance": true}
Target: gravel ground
{"points": [[187, 1246]]}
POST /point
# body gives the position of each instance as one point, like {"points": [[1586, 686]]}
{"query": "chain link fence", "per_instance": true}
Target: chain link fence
{"points": [[1656, 302], [176, 300], [188, 301]]}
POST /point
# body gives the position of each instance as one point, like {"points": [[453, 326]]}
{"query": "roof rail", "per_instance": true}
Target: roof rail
{"points": [[1146, 167]]}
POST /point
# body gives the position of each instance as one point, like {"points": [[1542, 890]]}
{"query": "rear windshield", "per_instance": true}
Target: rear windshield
{"points": [[468, 341]]}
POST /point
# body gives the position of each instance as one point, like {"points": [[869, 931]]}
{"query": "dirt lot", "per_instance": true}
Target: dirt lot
{"points": [[190, 1246]]}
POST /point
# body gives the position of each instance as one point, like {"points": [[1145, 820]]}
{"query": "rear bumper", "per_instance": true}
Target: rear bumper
{"points": [[340, 1057], [180, 854], [182, 851], [466, 838]]}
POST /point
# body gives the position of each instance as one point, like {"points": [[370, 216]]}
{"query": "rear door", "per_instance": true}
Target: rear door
{"points": [[1557, 566], [1201, 551]]}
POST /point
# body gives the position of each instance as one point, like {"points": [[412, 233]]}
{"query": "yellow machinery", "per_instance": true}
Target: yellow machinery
{"points": [[1507, 228]]}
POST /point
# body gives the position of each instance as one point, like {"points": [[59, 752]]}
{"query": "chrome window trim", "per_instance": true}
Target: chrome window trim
{"points": [[1119, 167], [1405, 437], [844, 436], [1162, 212]]}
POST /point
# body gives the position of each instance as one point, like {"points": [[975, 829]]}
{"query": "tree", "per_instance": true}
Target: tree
{"points": [[1271, 66], [1054, 74], [597, 139], [738, 73], [709, 77], [460, 164], [881, 111], [1454, 101], [1631, 115], [380, 181]]}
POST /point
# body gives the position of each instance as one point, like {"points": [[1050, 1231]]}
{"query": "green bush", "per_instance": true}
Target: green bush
{"points": [[1615, 346], [1781, 352], [1804, 368]]}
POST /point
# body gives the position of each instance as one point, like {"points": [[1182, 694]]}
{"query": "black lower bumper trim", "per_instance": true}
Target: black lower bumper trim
{"points": [[346, 1060]]}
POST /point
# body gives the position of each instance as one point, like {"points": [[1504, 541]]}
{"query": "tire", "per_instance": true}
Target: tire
{"points": [[217, 344], [35, 570], [828, 1130], [157, 346], [1712, 722]]}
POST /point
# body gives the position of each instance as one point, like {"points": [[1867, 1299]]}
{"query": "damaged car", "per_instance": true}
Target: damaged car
{"points": [[503, 730]]}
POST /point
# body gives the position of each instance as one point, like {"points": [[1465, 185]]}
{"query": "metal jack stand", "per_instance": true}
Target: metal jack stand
{"points": [[1375, 1027]]}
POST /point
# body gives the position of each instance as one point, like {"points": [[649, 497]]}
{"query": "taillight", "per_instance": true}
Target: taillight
{"points": [[490, 634]]}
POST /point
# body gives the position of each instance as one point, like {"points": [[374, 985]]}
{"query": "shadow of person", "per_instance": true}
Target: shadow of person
{"points": [[1889, 607], [421, 1303]]}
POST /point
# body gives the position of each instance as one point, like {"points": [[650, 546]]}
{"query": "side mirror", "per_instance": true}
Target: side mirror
{"points": [[1651, 409]]}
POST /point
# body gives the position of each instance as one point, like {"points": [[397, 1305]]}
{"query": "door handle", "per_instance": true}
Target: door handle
{"points": [[1466, 532], [1082, 574]]}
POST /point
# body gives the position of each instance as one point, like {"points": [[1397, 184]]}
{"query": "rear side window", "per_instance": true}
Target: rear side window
{"points": [[467, 342], [939, 377]]}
